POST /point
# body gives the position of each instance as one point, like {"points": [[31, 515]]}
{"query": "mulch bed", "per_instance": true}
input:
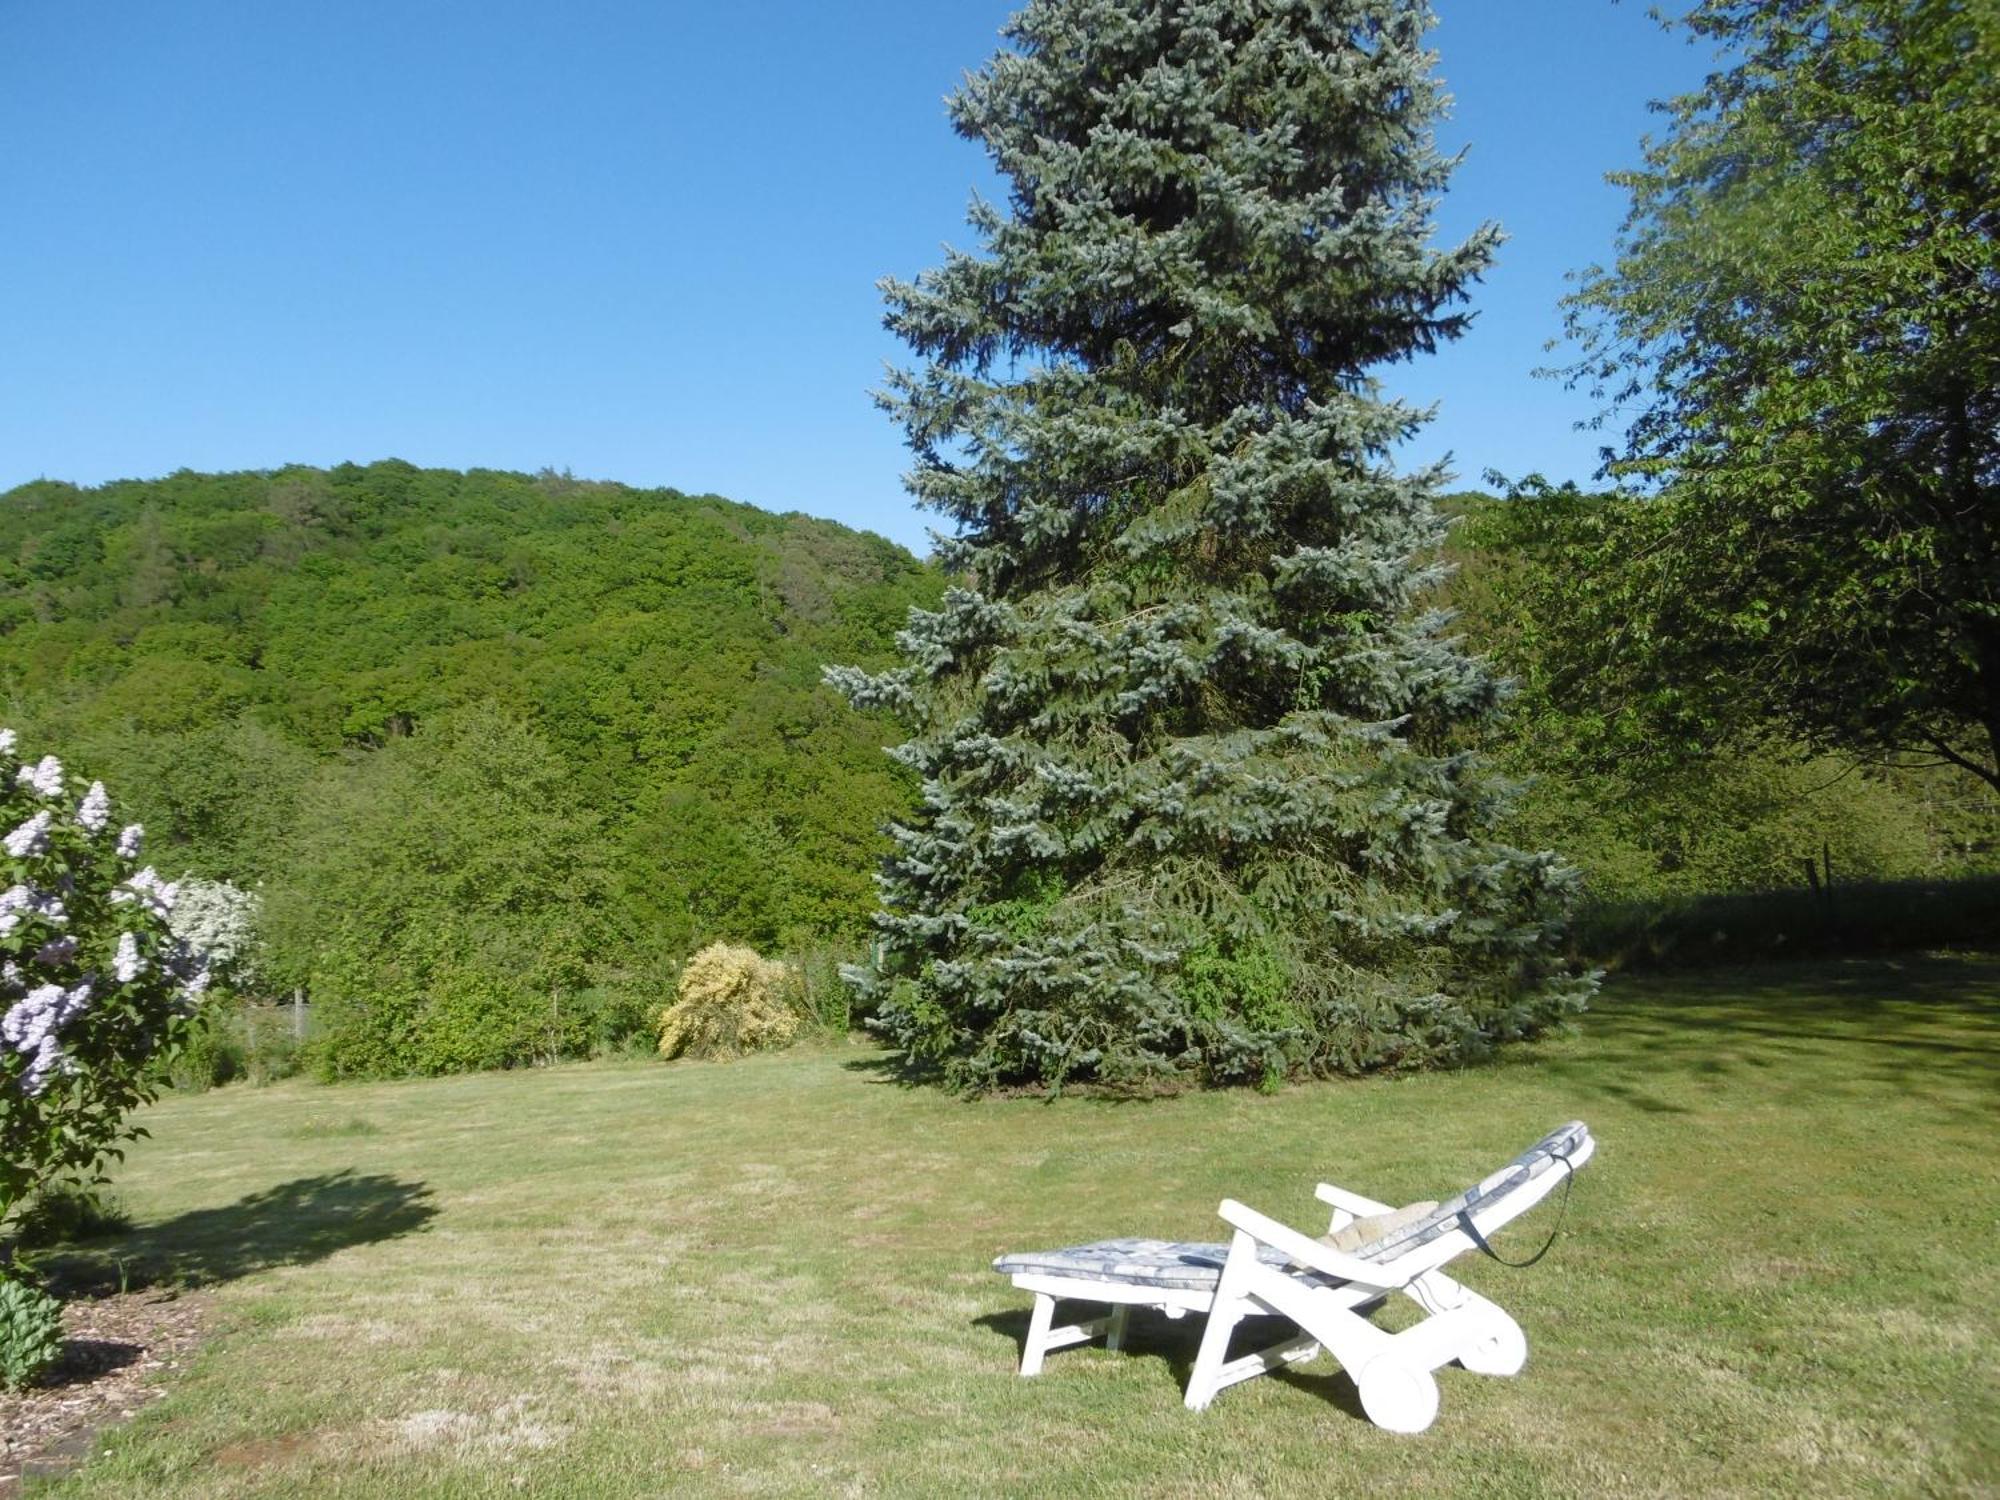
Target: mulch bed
{"points": [[117, 1348]]}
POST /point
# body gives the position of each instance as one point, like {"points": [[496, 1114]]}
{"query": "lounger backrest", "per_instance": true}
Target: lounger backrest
{"points": [[1546, 1155]]}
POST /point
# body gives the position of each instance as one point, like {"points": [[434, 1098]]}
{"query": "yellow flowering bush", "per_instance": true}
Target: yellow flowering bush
{"points": [[730, 1001]]}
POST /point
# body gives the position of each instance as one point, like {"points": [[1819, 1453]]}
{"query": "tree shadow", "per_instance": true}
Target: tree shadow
{"points": [[292, 1224], [1925, 1024], [889, 1067]]}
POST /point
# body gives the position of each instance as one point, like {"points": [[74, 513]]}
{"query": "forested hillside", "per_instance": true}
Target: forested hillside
{"points": [[498, 751], [275, 669]]}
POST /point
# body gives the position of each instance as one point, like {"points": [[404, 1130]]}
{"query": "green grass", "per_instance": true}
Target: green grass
{"points": [[769, 1277]]}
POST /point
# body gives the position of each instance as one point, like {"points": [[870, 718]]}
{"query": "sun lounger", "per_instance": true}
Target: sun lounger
{"points": [[1328, 1294]]}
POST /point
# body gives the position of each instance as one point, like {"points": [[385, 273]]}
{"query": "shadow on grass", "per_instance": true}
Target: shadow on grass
{"points": [[1927, 1024], [292, 1224], [1175, 1341]]}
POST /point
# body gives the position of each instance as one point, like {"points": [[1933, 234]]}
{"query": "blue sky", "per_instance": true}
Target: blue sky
{"points": [[633, 238]]}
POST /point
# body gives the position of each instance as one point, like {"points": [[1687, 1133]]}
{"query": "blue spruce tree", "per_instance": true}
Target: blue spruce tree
{"points": [[1198, 800]]}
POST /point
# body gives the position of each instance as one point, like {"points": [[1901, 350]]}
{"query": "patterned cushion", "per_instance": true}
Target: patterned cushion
{"points": [[1366, 1230], [1186, 1267], [1546, 1155], [1162, 1263]]}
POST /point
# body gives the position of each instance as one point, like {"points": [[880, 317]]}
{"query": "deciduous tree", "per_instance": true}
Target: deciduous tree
{"points": [[1803, 324]]}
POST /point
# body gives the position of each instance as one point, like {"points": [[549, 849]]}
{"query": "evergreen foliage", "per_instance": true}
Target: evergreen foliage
{"points": [[1196, 795]]}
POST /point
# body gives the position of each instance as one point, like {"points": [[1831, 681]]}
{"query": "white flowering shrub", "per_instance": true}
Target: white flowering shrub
{"points": [[219, 920], [94, 983]]}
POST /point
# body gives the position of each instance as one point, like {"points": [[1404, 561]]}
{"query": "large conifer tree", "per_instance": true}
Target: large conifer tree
{"points": [[1196, 793]]}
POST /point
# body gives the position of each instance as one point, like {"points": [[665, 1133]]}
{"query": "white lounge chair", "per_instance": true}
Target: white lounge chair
{"points": [[1328, 1294]]}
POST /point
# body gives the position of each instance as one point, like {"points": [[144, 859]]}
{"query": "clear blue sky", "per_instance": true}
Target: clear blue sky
{"points": [[631, 238]]}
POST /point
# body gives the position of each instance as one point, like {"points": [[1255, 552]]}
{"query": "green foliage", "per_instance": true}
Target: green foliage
{"points": [[68, 1213], [237, 650], [1247, 989], [1804, 315], [826, 1001], [94, 986], [444, 903], [1196, 802], [1645, 820], [233, 1039], [210, 1054], [31, 1333], [1847, 917]]}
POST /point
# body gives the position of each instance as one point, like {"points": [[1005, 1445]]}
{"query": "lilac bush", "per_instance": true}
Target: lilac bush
{"points": [[94, 983]]}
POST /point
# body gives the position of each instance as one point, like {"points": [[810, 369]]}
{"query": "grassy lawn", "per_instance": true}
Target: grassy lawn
{"points": [[770, 1277]]}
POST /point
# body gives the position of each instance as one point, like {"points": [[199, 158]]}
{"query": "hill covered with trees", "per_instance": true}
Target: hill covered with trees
{"points": [[525, 702], [498, 751]]}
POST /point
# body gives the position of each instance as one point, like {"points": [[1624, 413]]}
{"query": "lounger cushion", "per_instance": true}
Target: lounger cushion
{"points": [[1365, 1231], [1161, 1263], [1546, 1155]]}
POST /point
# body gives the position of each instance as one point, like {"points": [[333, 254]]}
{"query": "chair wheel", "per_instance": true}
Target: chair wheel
{"points": [[1503, 1351], [1397, 1398]]}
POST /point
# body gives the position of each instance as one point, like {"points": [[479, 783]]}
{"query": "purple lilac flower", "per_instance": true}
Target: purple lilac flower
{"points": [[56, 951], [32, 837], [129, 840], [94, 812], [146, 889], [32, 1025], [127, 965], [46, 776], [7, 741], [20, 902]]}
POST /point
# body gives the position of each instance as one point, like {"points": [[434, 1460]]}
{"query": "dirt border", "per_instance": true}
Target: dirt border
{"points": [[115, 1352]]}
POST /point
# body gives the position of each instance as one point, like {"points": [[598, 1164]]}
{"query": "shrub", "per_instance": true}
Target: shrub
{"points": [[31, 1333], [443, 904], [616, 1019], [236, 1039], [96, 988], [272, 1050], [67, 1213], [210, 1055], [221, 920], [1882, 916], [825, 1000], [729, 1002]]}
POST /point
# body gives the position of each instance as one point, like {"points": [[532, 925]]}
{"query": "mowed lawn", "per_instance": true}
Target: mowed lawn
{"points": [[770, 1277]]}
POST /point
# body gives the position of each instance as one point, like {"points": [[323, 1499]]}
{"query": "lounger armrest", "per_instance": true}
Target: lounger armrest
{"points": [[1306, 1252], [1347, 1202]]}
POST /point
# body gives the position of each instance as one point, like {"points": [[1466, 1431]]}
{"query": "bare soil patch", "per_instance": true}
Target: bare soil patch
{"points": [[115, 1350]]}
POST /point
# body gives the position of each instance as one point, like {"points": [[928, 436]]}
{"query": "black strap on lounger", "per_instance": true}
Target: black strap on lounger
{"points": [[1472, 1229]]}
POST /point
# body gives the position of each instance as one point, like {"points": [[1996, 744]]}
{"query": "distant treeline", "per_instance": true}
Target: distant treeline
{"points": [[1652, 815], [500, 750]]}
